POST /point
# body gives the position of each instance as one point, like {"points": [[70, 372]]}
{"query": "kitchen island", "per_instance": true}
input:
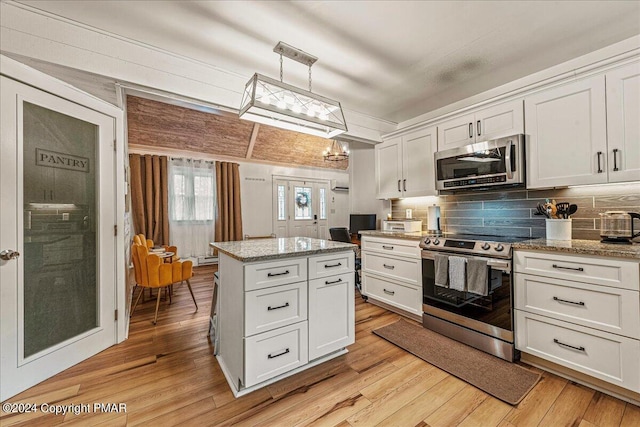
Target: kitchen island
{"points": [[285, 305]]}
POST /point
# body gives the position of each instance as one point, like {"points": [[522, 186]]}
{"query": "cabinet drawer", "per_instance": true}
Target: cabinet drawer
{"points": [[275, 352], [330, 265], [611, 358], [602, 307], [274, 273], [409, 270], [270, 308], [406, 297], [600, 271], [392, 246]]}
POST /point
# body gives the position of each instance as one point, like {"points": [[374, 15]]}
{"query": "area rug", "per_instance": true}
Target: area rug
{"points": [[499, 378]]}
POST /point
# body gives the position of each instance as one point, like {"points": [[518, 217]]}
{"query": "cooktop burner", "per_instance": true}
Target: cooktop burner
{"points": [[472, 244]]}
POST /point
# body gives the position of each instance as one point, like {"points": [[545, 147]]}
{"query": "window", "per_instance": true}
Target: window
{"points": [[303, 203], [192, 194], [323, 204], [282, 205]]}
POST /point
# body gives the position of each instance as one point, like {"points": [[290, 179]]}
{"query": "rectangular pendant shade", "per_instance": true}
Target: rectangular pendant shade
{"points": [[272, 102]]}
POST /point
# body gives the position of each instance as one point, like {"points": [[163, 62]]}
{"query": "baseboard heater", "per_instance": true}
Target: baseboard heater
{"points": [[209, 259]]}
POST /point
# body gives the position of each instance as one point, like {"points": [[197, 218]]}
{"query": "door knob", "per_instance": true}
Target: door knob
{"points": [[8, 254]]}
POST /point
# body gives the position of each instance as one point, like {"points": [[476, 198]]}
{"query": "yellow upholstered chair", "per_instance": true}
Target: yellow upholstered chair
{"points": [[151, 272], [140, 239]]}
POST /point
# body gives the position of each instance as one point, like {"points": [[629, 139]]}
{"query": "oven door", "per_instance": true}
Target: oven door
{"points": [[491, 315]]}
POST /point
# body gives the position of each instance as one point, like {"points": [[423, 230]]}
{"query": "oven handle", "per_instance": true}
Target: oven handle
{"points": [[496, 264]]}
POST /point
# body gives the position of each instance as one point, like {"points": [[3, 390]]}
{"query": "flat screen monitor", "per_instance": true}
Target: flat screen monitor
{"points": [[359, 222]]}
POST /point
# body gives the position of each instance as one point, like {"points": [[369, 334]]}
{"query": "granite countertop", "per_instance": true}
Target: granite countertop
{"points": [[582, 247], [413, 235], [278, 248]]}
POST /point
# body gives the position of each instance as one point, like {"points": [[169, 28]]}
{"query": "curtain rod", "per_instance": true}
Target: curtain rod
{"points": [[189, 160]]}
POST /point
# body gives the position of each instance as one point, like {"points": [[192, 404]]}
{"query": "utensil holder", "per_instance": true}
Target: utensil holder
{"points": [[558, 229]]}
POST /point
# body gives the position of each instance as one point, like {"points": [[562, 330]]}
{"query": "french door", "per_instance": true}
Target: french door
{"points": [[57, 259], [301, 208]]}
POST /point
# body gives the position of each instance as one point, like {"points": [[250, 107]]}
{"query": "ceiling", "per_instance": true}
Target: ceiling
{"points": [[392, 60]]}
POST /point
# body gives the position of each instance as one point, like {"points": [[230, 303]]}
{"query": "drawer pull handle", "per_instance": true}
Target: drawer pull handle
{"points": [[567, 268], [581, 348], [273, 356], [389, 248], [390, 267], [277, 274], [331, 283], [286, 304], [567, 301], [388, 292], [332, 265]]}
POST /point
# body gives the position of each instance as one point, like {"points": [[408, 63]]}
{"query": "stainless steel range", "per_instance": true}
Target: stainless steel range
{"points": [[467, 290]]}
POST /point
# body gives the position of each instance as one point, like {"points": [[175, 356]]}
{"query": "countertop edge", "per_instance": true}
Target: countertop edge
{"points": [[305, 253], [581, 247]]}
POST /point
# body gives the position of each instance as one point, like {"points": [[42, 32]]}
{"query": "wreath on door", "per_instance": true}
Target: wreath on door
{"points": [[302, 200]]}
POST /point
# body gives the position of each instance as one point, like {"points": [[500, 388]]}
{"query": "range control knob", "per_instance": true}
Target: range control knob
{"points": [[427, 241], [499, 247], [436, 242], [485, 246]]}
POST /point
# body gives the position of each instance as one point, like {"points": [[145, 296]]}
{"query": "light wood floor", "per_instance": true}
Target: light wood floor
{"points": [[166, 375]]}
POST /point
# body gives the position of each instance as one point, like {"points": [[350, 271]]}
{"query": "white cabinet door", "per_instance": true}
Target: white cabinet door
{"points": [[500, 120], [623, 123], [456, 132], [567, 135], [331, 314], [388, 169], [418, 176]]}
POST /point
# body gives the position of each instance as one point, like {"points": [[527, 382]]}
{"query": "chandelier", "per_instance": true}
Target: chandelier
{"points": [[272, 102], [336, 152]]}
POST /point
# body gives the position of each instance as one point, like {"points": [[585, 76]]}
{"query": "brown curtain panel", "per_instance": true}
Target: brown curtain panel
{"points": [[150, 196], [229, 212]]}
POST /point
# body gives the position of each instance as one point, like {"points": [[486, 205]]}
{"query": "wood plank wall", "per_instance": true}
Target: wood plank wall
{"points": [[511, 212], [160, 125]]}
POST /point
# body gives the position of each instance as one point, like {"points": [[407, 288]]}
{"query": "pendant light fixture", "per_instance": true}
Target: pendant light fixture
{"points": [[336, 152], [272, 102]]}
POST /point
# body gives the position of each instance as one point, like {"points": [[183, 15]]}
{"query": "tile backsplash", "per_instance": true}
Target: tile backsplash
{"points": [[511, 212]]}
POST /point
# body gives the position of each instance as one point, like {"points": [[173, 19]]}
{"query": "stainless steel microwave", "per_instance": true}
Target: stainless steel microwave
{"points": [[497, 162]]}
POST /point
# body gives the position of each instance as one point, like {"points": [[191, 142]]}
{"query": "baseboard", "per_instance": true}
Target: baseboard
{"points": [[412, 316], [580, 378]]}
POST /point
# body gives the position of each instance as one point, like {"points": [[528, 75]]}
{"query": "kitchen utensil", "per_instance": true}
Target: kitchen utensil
{"points": [[572, 209], [562, 210], [540, 210], [551, 209], [617, 226]]}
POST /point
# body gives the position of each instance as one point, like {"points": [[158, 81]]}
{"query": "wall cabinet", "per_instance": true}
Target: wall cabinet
{"points": [[585, 132], [623, 123], [578, 312], [404, 165], [488, 123], [392, 274]]}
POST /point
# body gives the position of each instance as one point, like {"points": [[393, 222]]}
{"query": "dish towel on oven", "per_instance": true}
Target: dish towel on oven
{"points": [[457, 273], [477, 276], [441, 265]]}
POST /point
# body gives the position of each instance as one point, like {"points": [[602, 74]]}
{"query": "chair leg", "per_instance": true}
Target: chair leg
{"points": [[136, 303], [192, 296], [155, 319]]}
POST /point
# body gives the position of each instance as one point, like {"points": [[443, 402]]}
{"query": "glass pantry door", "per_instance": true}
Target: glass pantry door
{"points": [[57, 272]]}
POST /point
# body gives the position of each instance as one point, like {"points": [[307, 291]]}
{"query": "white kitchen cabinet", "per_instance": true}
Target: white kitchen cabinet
{"points": [[623, 123], [281, 316], [404, 165], [581, 312], [488, 123], [331, 314], [567, 130], [392, 274]]}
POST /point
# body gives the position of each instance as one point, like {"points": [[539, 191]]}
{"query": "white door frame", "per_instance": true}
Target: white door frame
{"points": [[31, 77]]}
